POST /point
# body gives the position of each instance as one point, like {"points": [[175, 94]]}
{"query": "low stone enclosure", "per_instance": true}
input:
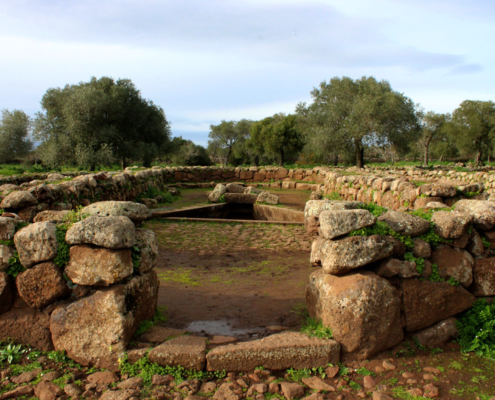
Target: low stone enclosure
{"points": [[84, 285]]}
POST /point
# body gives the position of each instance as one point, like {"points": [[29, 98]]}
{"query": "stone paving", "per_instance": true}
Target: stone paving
{"points": [[214, 238]]}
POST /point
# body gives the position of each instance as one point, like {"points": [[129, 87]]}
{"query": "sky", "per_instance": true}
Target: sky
{"points": [[203, 61]]}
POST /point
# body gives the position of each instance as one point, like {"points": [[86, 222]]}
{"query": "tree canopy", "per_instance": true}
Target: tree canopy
{"points": [[224, 136], [87, 123], [348, 114], [277, 135], [473, 127], [14, 135]]}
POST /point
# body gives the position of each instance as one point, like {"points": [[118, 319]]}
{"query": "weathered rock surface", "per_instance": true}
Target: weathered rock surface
{"points": [[344, 255], [451, 225], [395, 267], [438, 334], [421, 248], [235, 188], [48, 391], [36, 243], [335, 223], [136, 212], [7, 228], [438, 190], [252, 190], [425, 302], [361, 308], [96, 329], [240, 198], [40, 285], [27, 326], [483, 212], [484, 277], [6, 252], [405, 224], [455, 263], [219, 191], [313, 208], [267, 198], [50, 216], [92, 266], [475, 244], [146, 241], [6, 293], [185, 351], [17, 200], [275, 352], [108, 232]]}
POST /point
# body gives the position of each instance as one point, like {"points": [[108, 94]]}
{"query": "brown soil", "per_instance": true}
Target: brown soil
{"points": [[244, 277]]}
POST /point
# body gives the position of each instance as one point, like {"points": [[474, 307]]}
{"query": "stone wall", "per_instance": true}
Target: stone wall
{"points": [[80, 287], [382, 278]]}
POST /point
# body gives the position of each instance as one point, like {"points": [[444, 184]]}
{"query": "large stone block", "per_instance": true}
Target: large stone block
{"points": [[93, 266], [36, 243], [451, 225], [7, 228], [438, 333], [42, 284], [483, 212], [313, 209], [404, 223], [146, 241], [27, 326], [17, 200], [361, 308], [455, 263], [136, 212], [276, 352], [219, 191], [108, 232], [96, 329], [484, 277], [335, 223], [341, 256], [6, 252], [185, 351], [425, 302]]}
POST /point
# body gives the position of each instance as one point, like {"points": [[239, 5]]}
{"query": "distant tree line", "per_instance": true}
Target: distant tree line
{"points": [[349, 120], [104, 121]]}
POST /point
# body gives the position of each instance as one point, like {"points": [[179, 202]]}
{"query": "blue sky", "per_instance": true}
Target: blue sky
{"points": [[204, 61]]}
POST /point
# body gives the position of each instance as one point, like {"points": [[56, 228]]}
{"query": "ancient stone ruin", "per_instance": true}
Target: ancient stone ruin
{"points": [[381, 277]]}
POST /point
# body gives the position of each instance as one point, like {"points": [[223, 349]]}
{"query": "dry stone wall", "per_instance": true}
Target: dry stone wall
{"points": [[384, 274], [82, 289]]}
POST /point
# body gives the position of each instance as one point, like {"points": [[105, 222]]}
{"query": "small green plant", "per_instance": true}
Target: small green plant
{"points": [[477, 329], [343, 370], [11, 353], [221, 199], [15, 266], [313, 327], [435, 274], [374, 209], [146, 325], [420, 262], [354, 385], [436, 350], [456, 365], [365, 372], [333, 196], [452, 281], [63, 256], [486, 243]]}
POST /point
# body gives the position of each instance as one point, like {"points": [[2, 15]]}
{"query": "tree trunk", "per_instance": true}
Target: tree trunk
{"points": [[92, 167], [281, 157], [359, 155], [123, 163], [426, 156], [477, 160], [336, 160], [227, 158], [255, 160]]}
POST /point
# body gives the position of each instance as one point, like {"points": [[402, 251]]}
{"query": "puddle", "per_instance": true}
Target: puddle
{"points": [[221, 327]]}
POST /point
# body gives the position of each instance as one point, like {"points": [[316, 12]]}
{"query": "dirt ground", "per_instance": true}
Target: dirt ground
{"points": [[238, 279]]}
